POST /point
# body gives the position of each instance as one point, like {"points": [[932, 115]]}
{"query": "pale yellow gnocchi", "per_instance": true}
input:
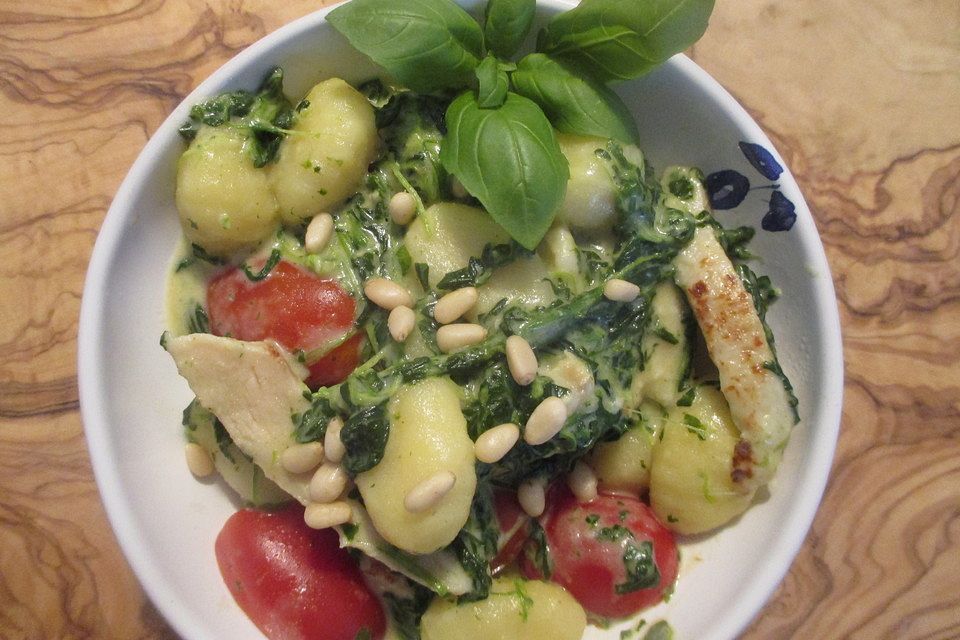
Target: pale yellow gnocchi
{"points": [[225, 203], [667, 349], [515, 609], [590, 204], [428, 436], [448, 234], [623, 465], [691, 489], [324, 158]]}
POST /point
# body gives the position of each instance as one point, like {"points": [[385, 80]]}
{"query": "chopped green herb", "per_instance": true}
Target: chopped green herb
{"points": [[695, 426]]}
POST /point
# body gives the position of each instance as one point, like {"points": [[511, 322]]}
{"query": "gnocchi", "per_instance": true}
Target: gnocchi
{"points": [[690, 484], [224, 202], [428, 435], [326, 154], [589, 206], [515, 609]]}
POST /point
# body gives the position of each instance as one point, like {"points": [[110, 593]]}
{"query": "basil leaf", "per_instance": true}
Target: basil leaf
{"points": [[425, 44], [623, 39], [506, 25], [509, 159], [493, 84], [573, 102]]}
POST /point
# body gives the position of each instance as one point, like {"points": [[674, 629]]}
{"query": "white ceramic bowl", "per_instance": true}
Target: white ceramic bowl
{"points": [[131, 396]]}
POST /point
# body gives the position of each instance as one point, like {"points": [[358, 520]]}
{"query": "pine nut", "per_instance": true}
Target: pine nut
{"points": [[387, 294], [400, 322], [451, 337], [532, 496], [198, 460], [582, 482], [545, 421], [455, 304], [429, 492], [521, 360], [324, 516], [495, 443], [620, 290], [301, 458], [328, 483], [402, 207], [319, 232], [332, 444]]}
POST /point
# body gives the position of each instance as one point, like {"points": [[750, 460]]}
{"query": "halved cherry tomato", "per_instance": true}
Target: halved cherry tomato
{"points": [[298, 309], [612, 553], [295, 582]]}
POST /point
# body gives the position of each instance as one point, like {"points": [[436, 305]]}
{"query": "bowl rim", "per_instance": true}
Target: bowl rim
{"points": [[90, 364]]}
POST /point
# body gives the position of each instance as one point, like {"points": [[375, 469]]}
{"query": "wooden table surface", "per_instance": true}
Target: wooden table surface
{"points": [[862, 98]]}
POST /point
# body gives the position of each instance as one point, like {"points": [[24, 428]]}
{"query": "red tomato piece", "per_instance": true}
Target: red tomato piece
{"points": [[602, 552], [298, 309], [294, 582]]}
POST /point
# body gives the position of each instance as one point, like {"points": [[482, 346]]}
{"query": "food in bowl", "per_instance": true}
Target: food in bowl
{"points": [[468, 330]]}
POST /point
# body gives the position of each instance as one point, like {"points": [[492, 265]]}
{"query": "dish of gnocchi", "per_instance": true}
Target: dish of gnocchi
{"points": [[462, 358]]}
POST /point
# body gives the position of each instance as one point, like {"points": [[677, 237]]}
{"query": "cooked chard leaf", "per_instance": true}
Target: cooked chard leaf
{"points": [[265, 115], [537, 551], [364, 436], [642, 572], [268, 266], [479, 270], [198, 321], [476, 544], [406, 612], [311, 425]]}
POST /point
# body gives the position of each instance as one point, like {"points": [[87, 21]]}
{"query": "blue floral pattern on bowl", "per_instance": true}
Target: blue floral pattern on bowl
{"points": [[728, 188]]}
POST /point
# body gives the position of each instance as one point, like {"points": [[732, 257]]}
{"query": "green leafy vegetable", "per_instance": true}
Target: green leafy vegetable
{"points": [[509, 159], [198, 321], [642, 572], [265, 115], [365, 436], [572, 101], [537, 551], [479, 270], [476, 544], [661, 630], [506, 25], [493, 84], [425, 44], [695, 426], [406, 612], [619, 40], [268, 266]]}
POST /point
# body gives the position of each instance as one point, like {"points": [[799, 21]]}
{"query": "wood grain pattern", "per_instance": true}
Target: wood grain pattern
{"points": [[862, 98]]}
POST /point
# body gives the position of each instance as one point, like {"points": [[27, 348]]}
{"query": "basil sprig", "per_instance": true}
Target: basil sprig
{"points": [[500, 141], [620, 40], [425, 44], [506, 24], [509, 159], [493, 83], [573, 102]]}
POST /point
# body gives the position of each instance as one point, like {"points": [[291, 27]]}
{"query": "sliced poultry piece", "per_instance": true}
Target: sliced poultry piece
{"points": [[735, 338], [254, 390], [251, 387]]}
